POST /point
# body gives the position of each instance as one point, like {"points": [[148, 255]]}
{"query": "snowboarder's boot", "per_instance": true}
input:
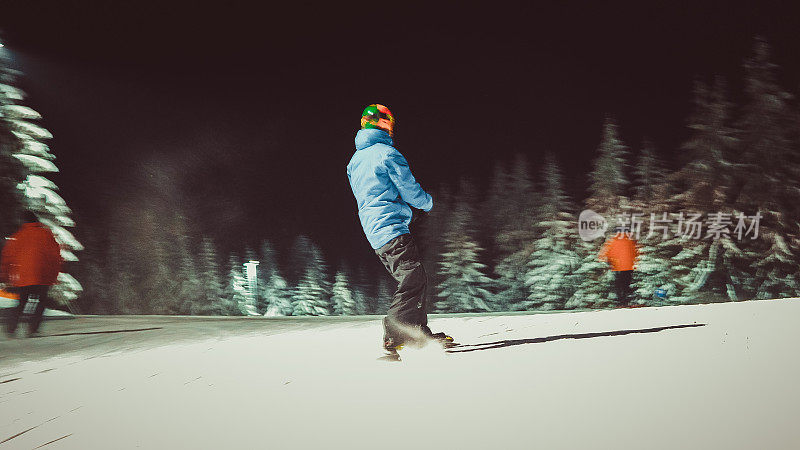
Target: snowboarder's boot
{"points": [[444, 340], [390, 348]]}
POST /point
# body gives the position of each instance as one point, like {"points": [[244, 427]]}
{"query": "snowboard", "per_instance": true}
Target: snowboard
{"points": [[393, 355]]}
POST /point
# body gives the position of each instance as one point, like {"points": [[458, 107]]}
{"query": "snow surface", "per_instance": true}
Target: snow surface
{"points": [[723, 376]]}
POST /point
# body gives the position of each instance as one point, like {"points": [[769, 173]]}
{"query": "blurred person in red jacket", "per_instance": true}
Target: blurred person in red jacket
{"points": [[30, 263], [620, 252]]}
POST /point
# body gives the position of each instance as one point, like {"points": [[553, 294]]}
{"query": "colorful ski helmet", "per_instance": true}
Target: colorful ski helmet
{"points": [[378, 116]]}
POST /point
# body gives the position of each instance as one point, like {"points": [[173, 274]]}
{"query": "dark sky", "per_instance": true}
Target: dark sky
{"points": [[246, 116]]}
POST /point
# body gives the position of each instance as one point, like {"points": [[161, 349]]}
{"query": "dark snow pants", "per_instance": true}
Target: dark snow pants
{"points": [[24, 294], [402, 260], [622, 286]]}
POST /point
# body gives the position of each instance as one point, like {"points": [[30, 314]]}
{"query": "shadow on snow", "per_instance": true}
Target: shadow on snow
{"points": [[463, 348], [101, 332]]}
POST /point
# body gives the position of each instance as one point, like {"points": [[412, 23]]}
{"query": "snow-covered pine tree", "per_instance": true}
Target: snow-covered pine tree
{"points": [[274, 292], [311, 296], [95, 298], [652, 272], [465, 286], [608, 197], [189, 284], [794, 245], [299, 256], [234, 295], [497, 207], [769, 179], [361, 292], [649, 191], [266, 267], [386, 287], [609, 182], [122, 285], [156, 263], [11, 169], [700, 269], [594, 279], [359, 302], [777, 272], [705, 180], [268, 258], [23, 139], [515, 234], [649, 175], [127, 297], [429, 240], [550, 278], [342, 299], [211, 300], [278, 295]]}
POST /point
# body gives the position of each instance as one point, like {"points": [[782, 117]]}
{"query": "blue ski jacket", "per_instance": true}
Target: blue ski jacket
{"points": [[384, 187]]}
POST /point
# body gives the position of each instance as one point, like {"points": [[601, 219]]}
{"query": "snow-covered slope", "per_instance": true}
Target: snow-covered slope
{"points": [[712, 376]]}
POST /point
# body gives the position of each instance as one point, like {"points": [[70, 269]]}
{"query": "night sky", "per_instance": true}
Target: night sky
{"points": [[245, 117]]}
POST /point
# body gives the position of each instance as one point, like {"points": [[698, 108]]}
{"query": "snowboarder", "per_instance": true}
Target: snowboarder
{"points": [[31, 261], [620, 253], [385, 192]]}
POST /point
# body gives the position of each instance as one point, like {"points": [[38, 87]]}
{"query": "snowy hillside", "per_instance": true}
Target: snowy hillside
{"points": [[721, 376]]}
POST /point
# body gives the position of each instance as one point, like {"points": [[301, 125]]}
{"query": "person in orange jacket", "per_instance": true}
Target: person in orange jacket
{"points": [[620, 252], [30, 264]]}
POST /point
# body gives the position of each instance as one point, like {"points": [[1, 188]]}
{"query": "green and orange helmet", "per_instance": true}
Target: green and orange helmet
{"points": [[378, 116]]}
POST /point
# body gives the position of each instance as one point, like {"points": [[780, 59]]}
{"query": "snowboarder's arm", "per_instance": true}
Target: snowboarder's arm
{"points": [[410, 191], [6, 260]]}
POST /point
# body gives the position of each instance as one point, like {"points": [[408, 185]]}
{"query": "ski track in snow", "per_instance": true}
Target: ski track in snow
{"points": [[705, 376]]}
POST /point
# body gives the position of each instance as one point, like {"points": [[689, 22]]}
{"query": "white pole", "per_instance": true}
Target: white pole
{"points": [[251, 272]]}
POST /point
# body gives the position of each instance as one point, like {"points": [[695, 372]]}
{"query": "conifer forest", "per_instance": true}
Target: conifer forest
{"points": [[719, 222]]}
